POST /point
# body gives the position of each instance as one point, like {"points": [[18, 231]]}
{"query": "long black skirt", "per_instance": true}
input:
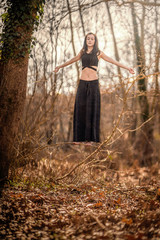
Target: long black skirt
{"points": [[86, 122]]}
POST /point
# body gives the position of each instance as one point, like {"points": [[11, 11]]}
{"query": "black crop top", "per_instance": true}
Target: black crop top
{"points": [[89, 60]]}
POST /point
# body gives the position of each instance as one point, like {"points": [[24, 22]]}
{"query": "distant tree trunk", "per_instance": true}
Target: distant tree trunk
{"points": [[54, 83], [157, 92], [116, 51], [69, 128], [155, 108], [81, 17], [133, 120], [72, 38], [13, 76], [144, 140]]}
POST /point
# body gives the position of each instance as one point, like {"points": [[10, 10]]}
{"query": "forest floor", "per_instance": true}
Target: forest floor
{"points": [[125, 206]]}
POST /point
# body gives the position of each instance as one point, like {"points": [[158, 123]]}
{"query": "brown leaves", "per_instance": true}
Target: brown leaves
{"points": [[98, 204], [158, 194], [128, 221], [84, 211], [18, 195], [118, 201]]}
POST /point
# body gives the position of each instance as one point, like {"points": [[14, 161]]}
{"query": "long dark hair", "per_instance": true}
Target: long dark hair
{"points": [[95, 49]]}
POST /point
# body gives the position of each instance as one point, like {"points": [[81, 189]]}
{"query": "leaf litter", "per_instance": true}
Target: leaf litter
{"points": [[120, 208]]}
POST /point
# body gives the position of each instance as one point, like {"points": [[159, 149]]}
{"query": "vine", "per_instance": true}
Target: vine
{"points": [[20, 19]]}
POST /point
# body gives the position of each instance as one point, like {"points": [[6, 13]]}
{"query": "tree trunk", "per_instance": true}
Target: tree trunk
{"points": [[144, 141], [116, 52], [13, 80], [155, 108], [16, 37], [81, 17], [72, 38]]}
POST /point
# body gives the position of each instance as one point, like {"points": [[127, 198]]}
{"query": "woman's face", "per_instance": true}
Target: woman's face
{"points": [[90, 40]]}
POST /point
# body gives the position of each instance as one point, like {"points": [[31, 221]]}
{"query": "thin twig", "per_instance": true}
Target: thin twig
{"points": [[97, 220], [104, 142]]}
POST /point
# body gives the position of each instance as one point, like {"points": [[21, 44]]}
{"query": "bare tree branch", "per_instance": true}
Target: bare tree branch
{"points": [[144, 3]]}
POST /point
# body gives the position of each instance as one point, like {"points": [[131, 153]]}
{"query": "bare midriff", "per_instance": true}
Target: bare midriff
{"points": [[89, 74]]}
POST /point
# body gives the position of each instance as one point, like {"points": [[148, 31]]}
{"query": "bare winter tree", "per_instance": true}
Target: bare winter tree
{"points": [[144, 141]]}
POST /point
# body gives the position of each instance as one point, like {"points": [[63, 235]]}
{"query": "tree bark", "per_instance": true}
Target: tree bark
{"points": [[72, 38], [13, 77], [13, 81], [144, 140], [116, 51], [81, 17], [155, 108]]}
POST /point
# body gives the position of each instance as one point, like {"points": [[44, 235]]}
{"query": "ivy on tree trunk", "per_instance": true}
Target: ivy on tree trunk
{"points": [[19, 22]]}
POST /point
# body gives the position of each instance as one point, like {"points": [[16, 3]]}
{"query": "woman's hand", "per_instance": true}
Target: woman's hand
{"points": [[131, 70], [56, 69]]}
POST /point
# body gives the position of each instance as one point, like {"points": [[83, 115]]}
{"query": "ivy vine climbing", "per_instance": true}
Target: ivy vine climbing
{"points": [[20, 19]]}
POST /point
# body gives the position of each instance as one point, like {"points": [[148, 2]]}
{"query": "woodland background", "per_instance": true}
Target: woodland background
{"points": [[54, 189], [126, 32]]}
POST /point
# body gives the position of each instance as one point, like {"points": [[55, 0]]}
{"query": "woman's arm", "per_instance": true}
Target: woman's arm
{"points": [[74, 59], [108, 59]]}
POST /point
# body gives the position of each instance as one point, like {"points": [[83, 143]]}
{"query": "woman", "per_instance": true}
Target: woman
{"points": [[86, 122]]}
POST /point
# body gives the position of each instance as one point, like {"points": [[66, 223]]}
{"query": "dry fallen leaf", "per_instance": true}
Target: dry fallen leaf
{"points": [[128, 221], [158, 194], [98, 204]]}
